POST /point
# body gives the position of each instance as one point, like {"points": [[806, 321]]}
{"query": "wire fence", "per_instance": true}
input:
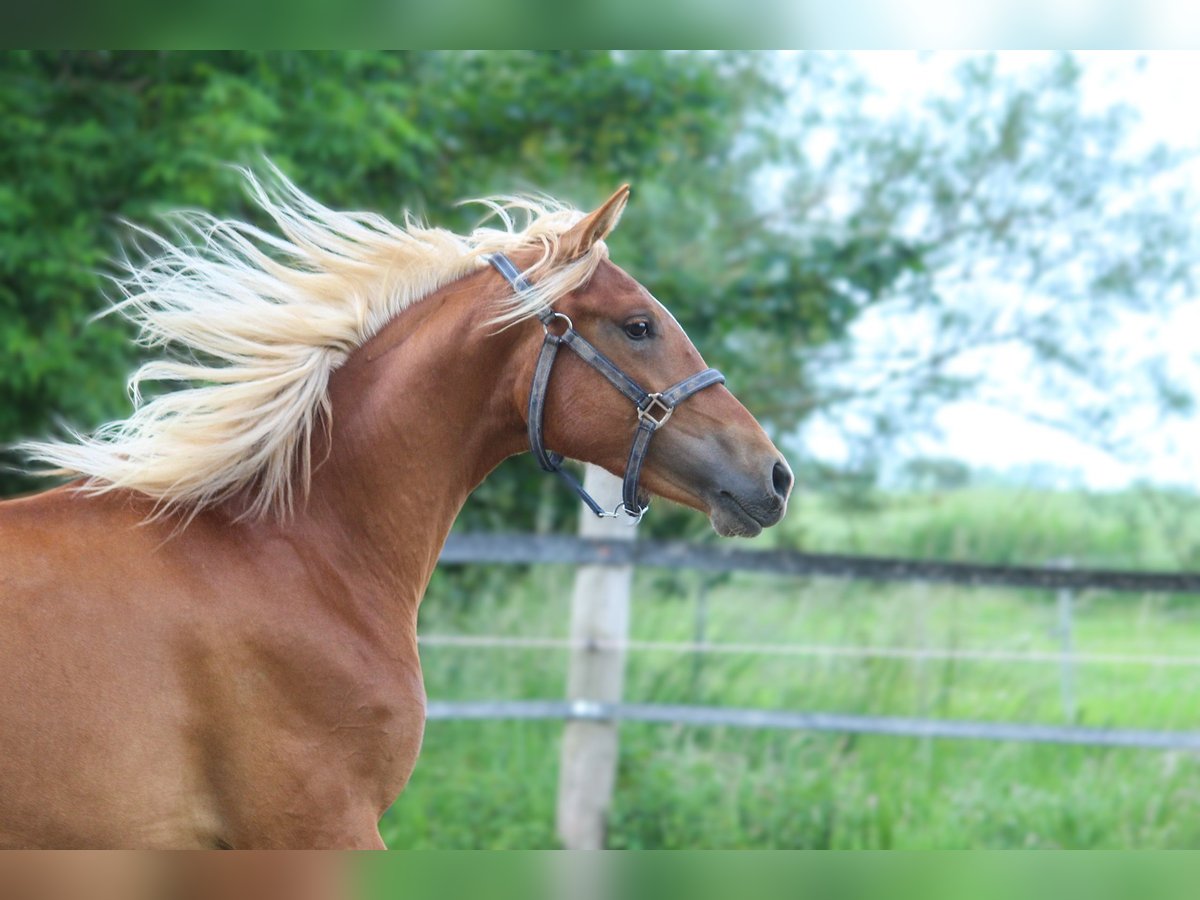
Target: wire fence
{"points": [[583, 551]]}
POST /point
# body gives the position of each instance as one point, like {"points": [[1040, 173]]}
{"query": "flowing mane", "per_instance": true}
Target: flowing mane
{"points": [[252, 324]]}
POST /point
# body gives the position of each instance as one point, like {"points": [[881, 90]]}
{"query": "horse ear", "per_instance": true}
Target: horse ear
{"points": [[595, 226]]}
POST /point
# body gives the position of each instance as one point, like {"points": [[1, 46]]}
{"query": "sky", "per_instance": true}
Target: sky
{"points": [[1162, 87], [1013, 23]]}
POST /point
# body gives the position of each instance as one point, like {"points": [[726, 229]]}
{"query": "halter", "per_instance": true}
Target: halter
{"points": [[653, 409]]}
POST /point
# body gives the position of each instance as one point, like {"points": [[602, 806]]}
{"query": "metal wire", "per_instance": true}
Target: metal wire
{"points": [[826, 650], [590, 710]]}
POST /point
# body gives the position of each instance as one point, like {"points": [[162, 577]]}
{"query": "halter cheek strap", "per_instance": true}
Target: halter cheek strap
{"points": [[653, 409]]}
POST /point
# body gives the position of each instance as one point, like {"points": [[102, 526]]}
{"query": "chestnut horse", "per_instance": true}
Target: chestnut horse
{"points": [[208, 639]]}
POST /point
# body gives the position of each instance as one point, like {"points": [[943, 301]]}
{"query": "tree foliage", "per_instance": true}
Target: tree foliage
{"points": [[93, 138], [1050, 245], [769, 251]]}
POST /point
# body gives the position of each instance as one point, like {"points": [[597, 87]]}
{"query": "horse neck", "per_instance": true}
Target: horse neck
{"points": [[420, 414]]}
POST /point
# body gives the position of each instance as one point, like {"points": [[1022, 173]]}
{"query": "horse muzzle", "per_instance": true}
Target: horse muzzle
{"points": [[743, 505]]}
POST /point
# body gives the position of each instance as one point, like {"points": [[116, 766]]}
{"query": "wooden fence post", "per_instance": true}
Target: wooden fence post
{"points": [[1066, 628], [599, 629]]}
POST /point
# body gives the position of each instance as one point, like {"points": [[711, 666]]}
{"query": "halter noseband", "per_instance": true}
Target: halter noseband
{"points": [[653, 409]]}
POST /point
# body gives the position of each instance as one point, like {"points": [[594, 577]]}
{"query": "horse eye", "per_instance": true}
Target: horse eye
{"points": [[637, 329]]}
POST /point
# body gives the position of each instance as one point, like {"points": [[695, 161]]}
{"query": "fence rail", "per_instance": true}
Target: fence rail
{"points": [[592, 711], [850, 651], [569, 550]]}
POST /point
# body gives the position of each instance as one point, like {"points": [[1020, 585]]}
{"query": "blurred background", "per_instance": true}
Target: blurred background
{"points": [[959, 291]]}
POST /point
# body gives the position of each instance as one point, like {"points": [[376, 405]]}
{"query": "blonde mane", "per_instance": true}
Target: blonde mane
{"points": [[255, 323]]}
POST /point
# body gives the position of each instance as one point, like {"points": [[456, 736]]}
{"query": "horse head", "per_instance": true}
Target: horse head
{"points": [[712, 455]]}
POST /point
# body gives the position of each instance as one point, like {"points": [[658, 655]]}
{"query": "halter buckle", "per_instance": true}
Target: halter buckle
{"points": [[648, 411], [570, 326]]}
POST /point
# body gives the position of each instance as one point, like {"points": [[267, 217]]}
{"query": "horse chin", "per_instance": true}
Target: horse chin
{"points": [[729, 519]]}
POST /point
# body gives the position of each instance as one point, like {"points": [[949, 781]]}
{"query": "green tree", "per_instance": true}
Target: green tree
{"points": [[91, 138], [770, 210]]}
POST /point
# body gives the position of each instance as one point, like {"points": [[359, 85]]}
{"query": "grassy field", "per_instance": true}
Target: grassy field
{"points": [[492, 784]]}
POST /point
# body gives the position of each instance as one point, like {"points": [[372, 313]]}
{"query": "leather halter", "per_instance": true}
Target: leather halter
{"points": [[653, 409]]}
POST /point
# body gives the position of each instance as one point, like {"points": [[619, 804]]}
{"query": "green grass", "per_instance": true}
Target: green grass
{"points": [[492, 784]]}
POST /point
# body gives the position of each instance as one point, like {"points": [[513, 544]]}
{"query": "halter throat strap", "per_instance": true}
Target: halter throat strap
{"points": [[653, 408]]}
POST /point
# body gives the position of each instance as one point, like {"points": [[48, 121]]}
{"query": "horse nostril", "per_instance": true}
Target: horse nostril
{"points": [[781, 478]]}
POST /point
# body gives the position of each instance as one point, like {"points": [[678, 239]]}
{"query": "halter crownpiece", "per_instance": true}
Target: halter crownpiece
{"points": [[653, 408]]}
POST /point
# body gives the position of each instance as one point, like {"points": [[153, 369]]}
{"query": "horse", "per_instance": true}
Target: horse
{"points": [[208, 634]]}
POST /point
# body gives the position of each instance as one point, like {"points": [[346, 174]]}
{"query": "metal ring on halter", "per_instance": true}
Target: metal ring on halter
{"points": [[558, 315], [620, 509]]}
